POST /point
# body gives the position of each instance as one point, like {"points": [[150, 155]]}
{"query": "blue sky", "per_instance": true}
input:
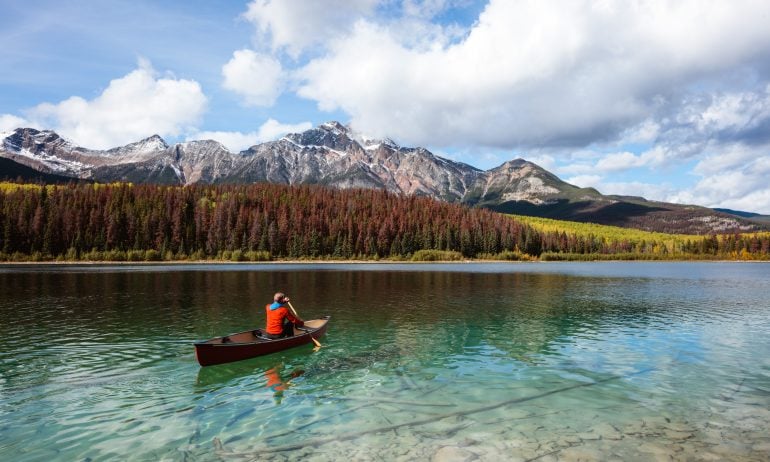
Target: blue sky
{"points": [[669, 100]]}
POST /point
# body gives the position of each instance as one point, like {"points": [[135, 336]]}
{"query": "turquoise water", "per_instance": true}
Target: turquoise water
{"points": [[545, 361]]}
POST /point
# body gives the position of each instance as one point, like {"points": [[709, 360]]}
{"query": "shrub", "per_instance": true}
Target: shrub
{"points": [[72, 254], [93, 255], [437, 255], [257, 255], [151, 255], [115, 255], [507, 255], [135, 255]]}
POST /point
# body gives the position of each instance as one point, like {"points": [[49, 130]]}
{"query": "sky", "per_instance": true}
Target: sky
{"points": [[669, 100]]}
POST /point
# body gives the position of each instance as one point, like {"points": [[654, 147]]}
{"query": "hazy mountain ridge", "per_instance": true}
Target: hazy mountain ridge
{"points": [[336, 156]]}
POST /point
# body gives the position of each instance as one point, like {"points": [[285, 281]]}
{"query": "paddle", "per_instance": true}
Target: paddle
{"points": [[317, 343]]}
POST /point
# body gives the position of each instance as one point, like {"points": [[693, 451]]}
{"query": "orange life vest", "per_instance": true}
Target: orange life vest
{"points": [[275, 317]]}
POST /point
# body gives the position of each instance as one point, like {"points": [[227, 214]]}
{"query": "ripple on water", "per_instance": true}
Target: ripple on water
{"points": [[614, 363]]}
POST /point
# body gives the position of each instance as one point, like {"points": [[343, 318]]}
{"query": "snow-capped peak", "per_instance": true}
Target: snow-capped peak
{"points": [[151, 144], [139, 151], [371, 142], [205, 143], [334, 127]]}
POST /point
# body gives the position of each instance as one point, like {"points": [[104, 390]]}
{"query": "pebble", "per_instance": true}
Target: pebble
{"points": [[608, 432], [580, 454], [708, 456], [567, 440], [762, 447], [549, 458], [655, 449], [516, 443], [677, 435], [453, 454], [731, 448], [678, 427], [589, 436]]}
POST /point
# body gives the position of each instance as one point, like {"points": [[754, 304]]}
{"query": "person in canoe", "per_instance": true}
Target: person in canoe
{"points": [[280, 320]]}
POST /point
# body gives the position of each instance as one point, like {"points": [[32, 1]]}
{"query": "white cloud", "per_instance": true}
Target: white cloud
{"points": [[727, 158], [233, 141], [645, 132], [756, 202], [537, 73], [298, 24], [733, 111], [619, 161], [425, 8], [272, 129], [239, 141], [258, 78], [654, 157], [10, 122], [585, 181], [652, 191], [131, 108], [546, 161], [735, 178], [573, 168], [721, 116], [727, 129]]}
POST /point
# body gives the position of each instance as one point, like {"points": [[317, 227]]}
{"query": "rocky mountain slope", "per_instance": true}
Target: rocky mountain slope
{"points": [[336, 156]]}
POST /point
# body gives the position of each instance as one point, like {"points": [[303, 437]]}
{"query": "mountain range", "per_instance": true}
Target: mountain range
{"points": [[336, 156]]}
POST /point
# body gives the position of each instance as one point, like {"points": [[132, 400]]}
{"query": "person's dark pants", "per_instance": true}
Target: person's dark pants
{"points": [[288, 331]]}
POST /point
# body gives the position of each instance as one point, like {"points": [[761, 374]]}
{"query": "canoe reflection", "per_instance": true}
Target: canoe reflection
{"points": [[279, 382], [251, 370]]}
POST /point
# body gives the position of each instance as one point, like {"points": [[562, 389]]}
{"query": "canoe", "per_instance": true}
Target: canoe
{"points": [[251, 343]]}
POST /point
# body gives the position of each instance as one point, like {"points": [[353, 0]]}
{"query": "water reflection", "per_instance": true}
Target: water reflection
{"points": [[278, 380], [113, 358]]}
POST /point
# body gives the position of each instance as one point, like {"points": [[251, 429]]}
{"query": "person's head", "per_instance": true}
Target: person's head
{"points": [[279, 297]]}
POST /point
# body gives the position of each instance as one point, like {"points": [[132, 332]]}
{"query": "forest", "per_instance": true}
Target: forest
{"points": [[569, 240], [260, 222]]}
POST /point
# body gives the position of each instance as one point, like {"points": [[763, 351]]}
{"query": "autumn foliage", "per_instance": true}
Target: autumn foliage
{"points": [[124, 222], [242, 222]]}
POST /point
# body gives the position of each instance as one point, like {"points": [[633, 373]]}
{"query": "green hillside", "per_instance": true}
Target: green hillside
{"points": [[591, 241]]}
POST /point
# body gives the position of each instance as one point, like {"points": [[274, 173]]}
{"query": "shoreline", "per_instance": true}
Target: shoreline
{"points": [[345, 262]]}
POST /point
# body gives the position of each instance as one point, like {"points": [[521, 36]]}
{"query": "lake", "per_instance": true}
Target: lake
{"points": [[471, 361]]}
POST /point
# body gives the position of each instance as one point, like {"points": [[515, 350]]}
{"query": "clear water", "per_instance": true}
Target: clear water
{"points": [[547, 361]]}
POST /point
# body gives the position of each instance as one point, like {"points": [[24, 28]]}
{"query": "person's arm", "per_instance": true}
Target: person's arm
{"points": [[295, 320]]}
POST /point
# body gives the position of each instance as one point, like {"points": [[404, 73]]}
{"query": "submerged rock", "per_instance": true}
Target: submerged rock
{"points": [[581, 454], [453, 454], [608, 431]]}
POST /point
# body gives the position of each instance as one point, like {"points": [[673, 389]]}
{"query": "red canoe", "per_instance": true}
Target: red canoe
{"points": [[248, 344]]}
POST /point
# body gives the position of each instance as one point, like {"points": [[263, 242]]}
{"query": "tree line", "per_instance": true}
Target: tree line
{"points": [[250, 221], [125, 222]]}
